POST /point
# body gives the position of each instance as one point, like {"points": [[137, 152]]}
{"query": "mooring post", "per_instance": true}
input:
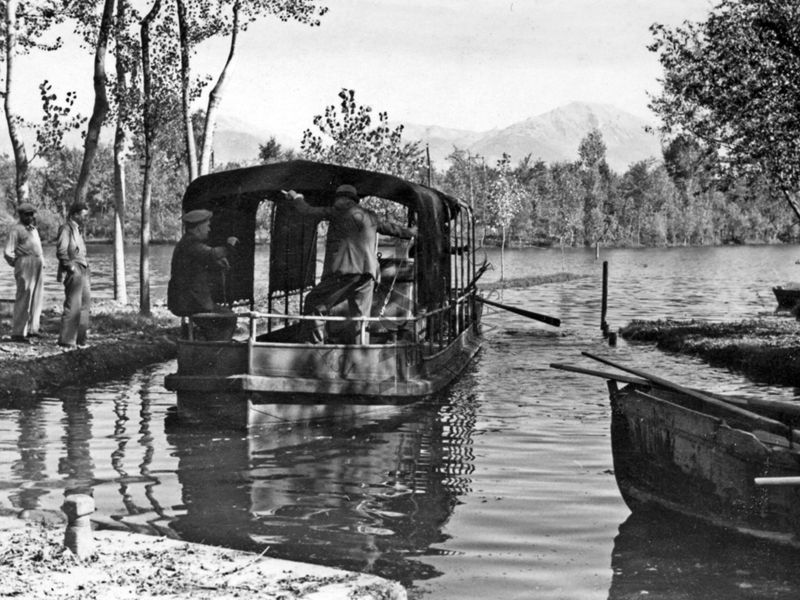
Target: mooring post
{"points": [[604, 306], [78, 537]]}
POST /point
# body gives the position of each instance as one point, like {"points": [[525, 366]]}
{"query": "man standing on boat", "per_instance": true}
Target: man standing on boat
{"points": [[194, 263], [351, 257], [23, 251]]}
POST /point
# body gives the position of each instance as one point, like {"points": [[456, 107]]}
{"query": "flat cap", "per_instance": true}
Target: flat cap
{"points": [[193, 217], [347, 190], [26, 207], [78, 207]]}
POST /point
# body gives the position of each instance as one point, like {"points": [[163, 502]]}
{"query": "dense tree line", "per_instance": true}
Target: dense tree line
{"points": [[678, 200]]}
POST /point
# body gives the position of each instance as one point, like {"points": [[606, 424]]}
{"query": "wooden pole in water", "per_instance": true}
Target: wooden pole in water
{"points": [[604, 306]]}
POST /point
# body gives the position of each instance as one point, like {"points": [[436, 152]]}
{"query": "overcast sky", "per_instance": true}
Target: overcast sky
{"points": [[464, 64]]}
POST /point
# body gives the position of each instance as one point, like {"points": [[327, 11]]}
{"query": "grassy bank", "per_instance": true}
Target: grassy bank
{"points": [[523, 282], [766, 350]]}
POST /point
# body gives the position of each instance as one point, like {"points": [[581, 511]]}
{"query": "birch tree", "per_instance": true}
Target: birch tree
{"points": [[24, 24], [199, 20], [158, 56], [505, 201]]}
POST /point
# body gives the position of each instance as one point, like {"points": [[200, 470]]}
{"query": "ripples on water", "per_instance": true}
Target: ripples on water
{"points": [[500, 488]]}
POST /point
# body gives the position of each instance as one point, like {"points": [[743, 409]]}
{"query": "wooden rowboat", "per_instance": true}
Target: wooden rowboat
{"points": [[706, 456], [787, 298]]}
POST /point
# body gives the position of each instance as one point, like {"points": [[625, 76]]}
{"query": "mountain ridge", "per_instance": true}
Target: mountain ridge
{"points": [[552, 136]]}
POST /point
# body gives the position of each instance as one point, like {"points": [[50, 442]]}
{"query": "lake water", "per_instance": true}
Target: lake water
{"points": [[500, 488]]}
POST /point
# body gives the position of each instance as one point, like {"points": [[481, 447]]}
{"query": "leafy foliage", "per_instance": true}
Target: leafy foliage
{"points": [[346, 136], [732, 82]]}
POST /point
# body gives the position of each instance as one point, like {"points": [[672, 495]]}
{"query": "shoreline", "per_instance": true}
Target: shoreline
{"points": [[124, 565], [120, 341]]}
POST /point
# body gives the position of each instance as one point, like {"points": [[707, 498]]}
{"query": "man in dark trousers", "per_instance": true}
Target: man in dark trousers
{"points": [[23, 251], [194, 263], [73, 270], [351, 261]]}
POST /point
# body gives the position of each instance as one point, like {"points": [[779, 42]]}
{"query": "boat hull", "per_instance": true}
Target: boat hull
{"points": [[232, 381], [683, 460], [787, 298]]}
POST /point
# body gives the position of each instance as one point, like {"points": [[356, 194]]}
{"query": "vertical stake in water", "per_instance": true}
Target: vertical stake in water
{"points": [[604, 306]]}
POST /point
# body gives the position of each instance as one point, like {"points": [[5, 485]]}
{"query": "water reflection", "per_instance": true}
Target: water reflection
{"points": [[364, 495], [30, 466], [665, 557], [77, 466]]}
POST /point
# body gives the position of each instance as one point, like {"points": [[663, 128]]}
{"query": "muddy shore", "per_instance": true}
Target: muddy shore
{"points": [[120, 341]]}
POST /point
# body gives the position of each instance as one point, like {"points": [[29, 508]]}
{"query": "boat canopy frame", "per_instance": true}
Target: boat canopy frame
{"points": [[445, 227]]}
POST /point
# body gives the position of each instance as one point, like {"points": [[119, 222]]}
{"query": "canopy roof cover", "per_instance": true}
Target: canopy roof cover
{"points": [[234, 196]]}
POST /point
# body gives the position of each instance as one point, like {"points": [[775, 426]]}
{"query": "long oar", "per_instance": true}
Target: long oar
{"points": [[776, 481], [774, 408], [766, 423], [525, 313], [601, 374]]}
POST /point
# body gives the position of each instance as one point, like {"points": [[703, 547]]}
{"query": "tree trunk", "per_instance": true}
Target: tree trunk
{"points": [[120, 153], [147, 186], [186, 82], [12, 118], [100, 102], [502, 253], [215, 98], [791, 200]]}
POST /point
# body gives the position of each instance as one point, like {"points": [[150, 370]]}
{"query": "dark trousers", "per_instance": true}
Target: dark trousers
{"points": [[338, 294], [77, 303]]}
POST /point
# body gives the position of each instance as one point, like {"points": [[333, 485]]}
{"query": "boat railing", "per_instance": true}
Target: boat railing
{"points": [[438, 326]]}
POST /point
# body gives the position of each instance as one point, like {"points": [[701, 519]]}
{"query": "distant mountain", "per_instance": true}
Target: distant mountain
{"points": [[237, 141], [552, 136]]}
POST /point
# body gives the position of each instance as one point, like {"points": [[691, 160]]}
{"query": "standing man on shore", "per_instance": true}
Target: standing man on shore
{"points": [[23, 251], [73, 269]]}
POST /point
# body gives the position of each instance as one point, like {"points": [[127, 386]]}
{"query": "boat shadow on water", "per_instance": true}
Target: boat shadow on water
{"points": [[660, 555]]}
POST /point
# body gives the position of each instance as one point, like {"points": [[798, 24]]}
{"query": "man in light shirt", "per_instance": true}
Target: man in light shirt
{"points": [[23, 251]]}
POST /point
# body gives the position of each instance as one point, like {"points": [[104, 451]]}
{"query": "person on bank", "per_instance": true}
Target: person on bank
{"points": [[73, 270], [194, 265], [351, 261], [23, 252]]}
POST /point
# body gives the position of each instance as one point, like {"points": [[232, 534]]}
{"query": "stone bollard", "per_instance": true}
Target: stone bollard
{"points": [[78, 537]]}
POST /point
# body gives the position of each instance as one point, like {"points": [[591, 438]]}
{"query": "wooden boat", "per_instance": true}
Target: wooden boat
{"points": [[787, 297], [705, 456], [423, 330]]}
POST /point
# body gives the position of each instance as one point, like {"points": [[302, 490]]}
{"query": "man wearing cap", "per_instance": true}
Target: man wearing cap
{"points": [[73, 270], [351, 265], [194, 264], [23, 251]]}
